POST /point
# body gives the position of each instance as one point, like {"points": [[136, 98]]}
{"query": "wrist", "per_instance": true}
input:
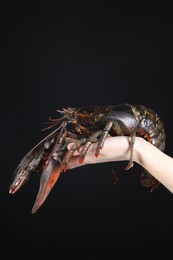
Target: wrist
{"points": [[140, 147]]}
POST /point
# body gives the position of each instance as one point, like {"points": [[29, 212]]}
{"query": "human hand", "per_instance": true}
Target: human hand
{"points": [[115, 149]]}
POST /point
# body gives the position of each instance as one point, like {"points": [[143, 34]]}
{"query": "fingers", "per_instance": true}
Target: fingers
{"points": [[74, 162], [69, 146]]}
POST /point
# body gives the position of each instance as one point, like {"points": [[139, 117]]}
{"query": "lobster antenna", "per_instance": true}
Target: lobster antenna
{"points": [[53, 122]]}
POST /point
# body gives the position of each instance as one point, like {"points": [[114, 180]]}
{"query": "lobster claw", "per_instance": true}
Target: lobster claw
{"points": [[56, 163], [28, 165], [49, 177], [51, 170]]}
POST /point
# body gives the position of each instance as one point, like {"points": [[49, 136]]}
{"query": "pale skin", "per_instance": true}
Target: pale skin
{"points": [[156, 162]]}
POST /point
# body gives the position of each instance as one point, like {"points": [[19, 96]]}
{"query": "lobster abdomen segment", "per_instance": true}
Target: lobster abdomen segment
{"points": [[151, 127]]}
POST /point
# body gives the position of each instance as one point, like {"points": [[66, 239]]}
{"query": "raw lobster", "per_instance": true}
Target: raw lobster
{"points": [[83, 126]]}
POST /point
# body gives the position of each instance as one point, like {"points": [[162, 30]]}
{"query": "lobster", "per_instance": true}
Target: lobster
{"points": [[82, 127]]}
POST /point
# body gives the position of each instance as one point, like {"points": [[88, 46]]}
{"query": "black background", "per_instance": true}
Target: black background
{"points": [[76, 54]]}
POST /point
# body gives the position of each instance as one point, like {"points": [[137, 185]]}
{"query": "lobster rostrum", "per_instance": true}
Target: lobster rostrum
{"points": [[82, 127]]}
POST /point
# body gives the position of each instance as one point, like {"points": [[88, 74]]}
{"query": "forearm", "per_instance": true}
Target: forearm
{"points": [[148, 156], [159, 164]]}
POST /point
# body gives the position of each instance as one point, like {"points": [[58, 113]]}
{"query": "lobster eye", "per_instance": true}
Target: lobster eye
{"points": [[72, 121], [71, 124]]}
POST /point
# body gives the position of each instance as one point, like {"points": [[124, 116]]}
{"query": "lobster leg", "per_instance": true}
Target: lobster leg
{"points": [[103, 137], [132, 142], [70, 153], [92, 139], [116, 128], [118, 131]]}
